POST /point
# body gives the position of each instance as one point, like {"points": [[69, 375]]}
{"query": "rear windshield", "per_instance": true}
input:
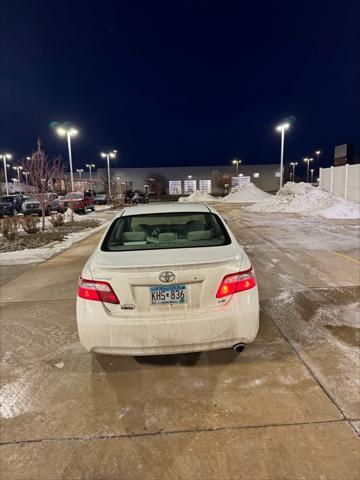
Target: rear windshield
{"points": [[165, 230]]}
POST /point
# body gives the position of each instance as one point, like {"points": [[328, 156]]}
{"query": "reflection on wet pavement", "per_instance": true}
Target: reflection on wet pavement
{"points": [[289, 392]]}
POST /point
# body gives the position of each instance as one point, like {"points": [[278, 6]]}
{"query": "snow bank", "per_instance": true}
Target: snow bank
{"points": [[197, 196], [248, 193], [69, 215], [37, 255], [306, 199]]}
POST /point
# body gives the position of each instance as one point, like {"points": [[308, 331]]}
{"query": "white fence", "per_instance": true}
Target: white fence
{"points": [[341, 181]]}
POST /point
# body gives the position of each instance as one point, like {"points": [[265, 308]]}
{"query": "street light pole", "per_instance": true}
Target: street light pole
{"points": [[70, 159], [282, 128], [317, 153], [236, 163], [293, 164], [68, 132], [26, 177], [90, 166], [109, 155], [307, 161], [18, 172], [312, 175], [79, 170], [6, 156]]}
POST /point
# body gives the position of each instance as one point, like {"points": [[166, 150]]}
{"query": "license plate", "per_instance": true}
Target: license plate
{"points": [[169, 294]]}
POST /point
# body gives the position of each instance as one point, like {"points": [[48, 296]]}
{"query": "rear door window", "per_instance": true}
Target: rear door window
{"points": [[165, 230]]}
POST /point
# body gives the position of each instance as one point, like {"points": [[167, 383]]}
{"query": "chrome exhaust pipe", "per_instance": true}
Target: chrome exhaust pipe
{"points": [[238, 347]]}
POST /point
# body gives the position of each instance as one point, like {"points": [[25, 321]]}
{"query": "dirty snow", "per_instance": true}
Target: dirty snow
{"points": [[37, 255], [248, 193], [304, 198], [197, 196], [315, 328]]}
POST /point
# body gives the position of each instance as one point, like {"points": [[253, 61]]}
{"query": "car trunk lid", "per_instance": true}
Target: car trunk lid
{"points": [[135, 276]]}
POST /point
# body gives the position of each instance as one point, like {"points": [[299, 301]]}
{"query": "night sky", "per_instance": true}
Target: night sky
{"points": [[180, 82]]}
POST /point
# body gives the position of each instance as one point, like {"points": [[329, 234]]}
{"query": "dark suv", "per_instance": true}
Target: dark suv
{"points": [[10, 205]]}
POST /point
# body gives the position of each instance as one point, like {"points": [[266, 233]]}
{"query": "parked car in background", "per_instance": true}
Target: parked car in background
{"points": [[31, 206], [10, 205], [80, 202], [52, 203], [139, 197], [100, 199], [128, 196]]}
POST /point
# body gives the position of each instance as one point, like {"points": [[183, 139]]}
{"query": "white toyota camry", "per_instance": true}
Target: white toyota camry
{"points": [[167, 278]]}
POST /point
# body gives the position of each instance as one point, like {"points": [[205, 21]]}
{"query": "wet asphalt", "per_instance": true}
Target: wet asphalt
{"points": [[287, 407]]}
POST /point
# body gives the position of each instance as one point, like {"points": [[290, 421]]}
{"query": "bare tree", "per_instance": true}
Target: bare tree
{"points": [[43, 174]]}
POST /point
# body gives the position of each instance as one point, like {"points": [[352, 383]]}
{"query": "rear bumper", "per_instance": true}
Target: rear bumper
{"points": [[221, 327]]}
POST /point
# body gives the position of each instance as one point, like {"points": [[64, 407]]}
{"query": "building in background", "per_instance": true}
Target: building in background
{"points": [[175, 181], [343, 154]]}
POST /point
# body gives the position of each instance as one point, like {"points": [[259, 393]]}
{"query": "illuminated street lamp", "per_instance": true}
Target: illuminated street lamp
{"points": [[236, 163], [317, 153], [293, 164], [307, 161], [18, 171], [6, 156], [80, 171], [281, 128], [26, 177], [312, 175], [109, 155], [90, 166], [68, 133], [15, 180]]}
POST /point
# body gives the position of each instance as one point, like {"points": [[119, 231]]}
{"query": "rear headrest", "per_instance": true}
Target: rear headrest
{"points": [[133, 236], [138, 228], [199, 235], [194, 225], [167, 237]]}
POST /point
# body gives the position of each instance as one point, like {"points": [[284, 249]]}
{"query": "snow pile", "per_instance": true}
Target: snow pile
{"points": [[247, 193], [197, 196], [304, 198], [36, 255], [70, 216], [341, 209]]}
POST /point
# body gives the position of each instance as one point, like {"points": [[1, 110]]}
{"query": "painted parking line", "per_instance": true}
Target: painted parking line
{"points": [[348, 258]]}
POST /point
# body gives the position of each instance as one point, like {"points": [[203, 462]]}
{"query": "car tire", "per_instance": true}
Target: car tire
{"points": [[14, 214]]}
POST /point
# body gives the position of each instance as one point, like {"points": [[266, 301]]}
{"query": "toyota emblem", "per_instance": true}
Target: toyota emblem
{"points": [[167, 276]]}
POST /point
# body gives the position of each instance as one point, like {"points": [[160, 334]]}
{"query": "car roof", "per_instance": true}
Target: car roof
{"points": [[172, 207]]}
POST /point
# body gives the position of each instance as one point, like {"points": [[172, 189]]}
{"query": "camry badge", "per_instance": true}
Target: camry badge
{"points": [[167, 276]]}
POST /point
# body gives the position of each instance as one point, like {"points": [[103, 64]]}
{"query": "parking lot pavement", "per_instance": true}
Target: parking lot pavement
{"points": [[9, 272], [287, 407]]}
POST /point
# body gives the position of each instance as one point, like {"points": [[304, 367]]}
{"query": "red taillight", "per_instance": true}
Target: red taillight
{"points": [[98, 291], [236, 282]]}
